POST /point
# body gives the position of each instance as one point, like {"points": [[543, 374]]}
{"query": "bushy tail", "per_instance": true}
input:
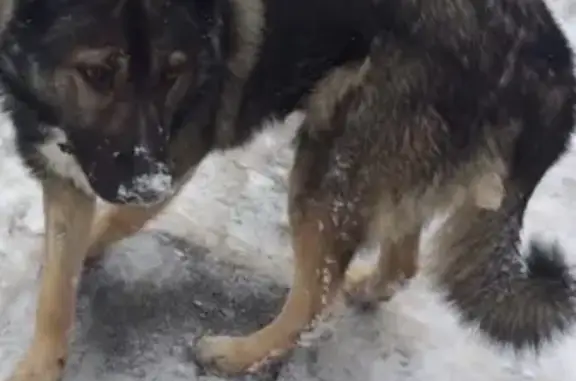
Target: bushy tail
{"points": [[519, 301]]}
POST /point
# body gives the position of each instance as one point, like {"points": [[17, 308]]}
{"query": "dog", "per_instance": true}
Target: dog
{"points": [[412, 107]]}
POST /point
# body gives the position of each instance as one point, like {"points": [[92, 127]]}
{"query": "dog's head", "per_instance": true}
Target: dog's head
{"points": [[113, 77]]}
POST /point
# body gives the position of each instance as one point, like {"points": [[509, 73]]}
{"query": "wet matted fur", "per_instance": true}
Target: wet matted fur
{"points": [[412, 107]]}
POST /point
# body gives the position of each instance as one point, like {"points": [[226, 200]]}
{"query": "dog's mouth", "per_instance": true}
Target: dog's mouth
{"points": [[135, 175]]}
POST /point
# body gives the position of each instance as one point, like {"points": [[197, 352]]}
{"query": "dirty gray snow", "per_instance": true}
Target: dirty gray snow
{"points": [[139, 312]]}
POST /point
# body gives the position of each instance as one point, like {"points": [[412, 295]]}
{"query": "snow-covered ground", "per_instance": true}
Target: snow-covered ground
{"points": [[237, 253]]}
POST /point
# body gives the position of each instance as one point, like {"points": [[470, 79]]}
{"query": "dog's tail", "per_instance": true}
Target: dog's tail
{"points": [[517, 301]]}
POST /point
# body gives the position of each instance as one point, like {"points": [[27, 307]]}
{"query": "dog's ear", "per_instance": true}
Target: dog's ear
{"points": [[6, 12]]}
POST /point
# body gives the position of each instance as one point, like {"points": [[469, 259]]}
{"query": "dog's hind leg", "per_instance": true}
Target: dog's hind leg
{"points": [[359, 147], [366, 285], [320, 262], [327, 228], [68, 216]]}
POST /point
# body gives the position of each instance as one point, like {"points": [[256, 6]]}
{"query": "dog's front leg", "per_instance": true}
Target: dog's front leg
{"points": [[116, 224], [120, 222], [68, 217]]}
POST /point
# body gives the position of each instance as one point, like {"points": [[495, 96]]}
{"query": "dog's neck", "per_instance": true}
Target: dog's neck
{"points": [[280, 51]]}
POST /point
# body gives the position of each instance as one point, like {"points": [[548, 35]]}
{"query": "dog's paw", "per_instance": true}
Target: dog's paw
{"points": [[40, 368], [230, 356], [364, 289], [223, 354]]}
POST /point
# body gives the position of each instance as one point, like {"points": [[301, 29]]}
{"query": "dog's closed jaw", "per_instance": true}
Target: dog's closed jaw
{"points": [[126, 169], [152, 185]]}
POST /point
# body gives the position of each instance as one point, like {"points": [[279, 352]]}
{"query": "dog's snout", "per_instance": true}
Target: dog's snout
{"points": [[152, 180], [147, 188]]}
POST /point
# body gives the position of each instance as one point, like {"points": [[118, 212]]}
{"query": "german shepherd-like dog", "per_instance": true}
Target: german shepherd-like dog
{"points": [[412, 107]]}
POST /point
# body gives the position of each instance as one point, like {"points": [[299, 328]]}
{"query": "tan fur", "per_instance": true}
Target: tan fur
{"points": [[118, 223], [448, 239], [68, 214], [397, 263], [489, 191], [479, 184], [330, 91], [315, 282], [480, 181]]}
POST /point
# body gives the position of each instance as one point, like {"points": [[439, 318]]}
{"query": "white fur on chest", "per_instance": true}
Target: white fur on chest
{"points": [[63, 164]]}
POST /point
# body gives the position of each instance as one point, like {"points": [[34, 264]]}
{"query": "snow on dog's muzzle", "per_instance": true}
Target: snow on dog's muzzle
{"points": [[121, 172], [152, 185]]}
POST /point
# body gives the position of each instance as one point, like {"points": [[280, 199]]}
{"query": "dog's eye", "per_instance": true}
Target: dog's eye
{"points": [[101, 78]]}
